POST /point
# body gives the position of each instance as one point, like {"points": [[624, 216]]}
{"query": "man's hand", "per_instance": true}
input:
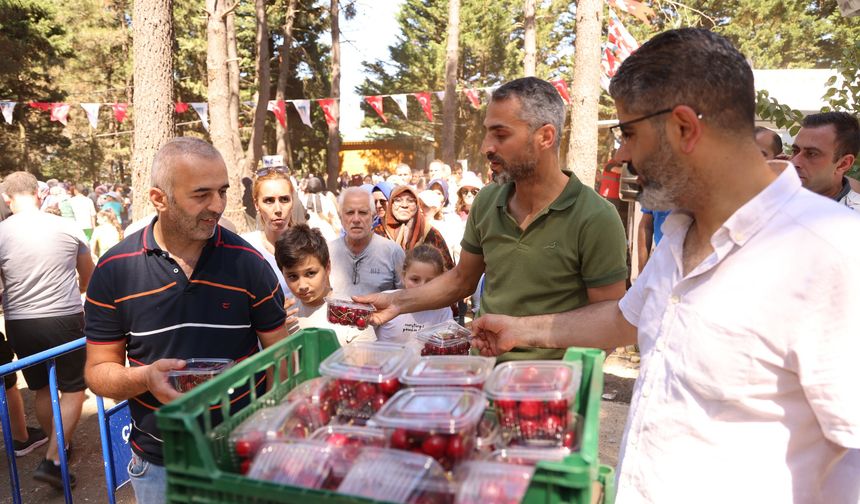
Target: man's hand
{"points": [[386, 309], [156, 379], [495, 334], [292, 320]]}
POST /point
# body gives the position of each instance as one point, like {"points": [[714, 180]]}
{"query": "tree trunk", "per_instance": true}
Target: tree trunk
{"points": [[153, 92], [449, 106], [255, 145], [233, 79], [283, 132], [333, 152], [582, 155], [530, 37]]}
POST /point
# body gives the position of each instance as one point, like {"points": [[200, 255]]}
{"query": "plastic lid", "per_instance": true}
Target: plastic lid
{"points": [[481, 481], [293, 419], [349, 304], [391, 475], [313, 390], [528, 456], [425, 409], [305, 464], [196, 371], [368, 361], [449, 370], [534, 380], [444, 334], [350, 435]]}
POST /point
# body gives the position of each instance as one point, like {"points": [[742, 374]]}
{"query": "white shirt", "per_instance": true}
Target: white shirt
{"points": [[317, 317], [404, 327], [851, 200], [84, 210], [255, 239], [748, 389]]}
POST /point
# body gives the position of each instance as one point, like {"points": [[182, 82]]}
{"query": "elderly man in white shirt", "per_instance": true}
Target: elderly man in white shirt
{"points": [[746, 315]]}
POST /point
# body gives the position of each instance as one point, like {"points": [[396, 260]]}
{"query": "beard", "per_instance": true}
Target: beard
{"points": [[516, 170], [189, 226], [667, 182]]}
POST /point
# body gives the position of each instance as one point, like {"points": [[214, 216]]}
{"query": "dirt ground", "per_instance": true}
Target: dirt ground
{"points": [[620, 374]]}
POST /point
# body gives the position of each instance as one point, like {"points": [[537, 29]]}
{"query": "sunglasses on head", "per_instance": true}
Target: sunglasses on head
{"points": [[262, 172]]}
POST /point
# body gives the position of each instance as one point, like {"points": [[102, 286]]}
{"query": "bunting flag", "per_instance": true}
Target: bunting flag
{"points": [[561, 86], [376, 103], [400, 100], [637, 9], [474, 97], [303, 107], [7, 107], [426, 106], [41, 106], [620, 37], [181, 107], [609, 64], [60, 113], [92, 110], [327, 104], [119, 111], [440, 95], [202, 109], [279, 108]]}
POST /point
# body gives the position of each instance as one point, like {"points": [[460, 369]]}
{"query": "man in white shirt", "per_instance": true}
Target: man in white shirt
{"points": [[823, 151], [746, 316], [84, 210]]}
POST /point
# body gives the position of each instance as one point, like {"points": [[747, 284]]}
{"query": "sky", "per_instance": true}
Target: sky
{"points": [[364, 38]]}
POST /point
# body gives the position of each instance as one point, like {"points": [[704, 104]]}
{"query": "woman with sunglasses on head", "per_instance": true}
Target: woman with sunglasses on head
{"points": [[470, 184]]}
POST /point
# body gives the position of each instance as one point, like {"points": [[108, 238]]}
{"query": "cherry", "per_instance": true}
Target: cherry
{"points": [[568, 439], [364, 391], [400, 439], [390, 386], [377, 402], [505, 404], [528, 429], [244, 466], [530, 409], [435, 446], [456, 447], [361, 323], [552, 425], [337, 439], [558, 406], [243, 448]]}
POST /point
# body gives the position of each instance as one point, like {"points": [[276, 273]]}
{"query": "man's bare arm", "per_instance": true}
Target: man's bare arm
{"points": [[268, 339], [107, 375], [598, 325], [85, 267]]}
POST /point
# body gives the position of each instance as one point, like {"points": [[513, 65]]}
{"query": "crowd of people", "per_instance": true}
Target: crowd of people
{"points": [[743, 314]]}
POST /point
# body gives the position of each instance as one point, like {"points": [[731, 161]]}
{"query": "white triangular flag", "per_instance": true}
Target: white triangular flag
{"points": [[92, 110], [440, 95], [202, 109], [400, 100], [490, 91], [303, 107], [7, 107]]}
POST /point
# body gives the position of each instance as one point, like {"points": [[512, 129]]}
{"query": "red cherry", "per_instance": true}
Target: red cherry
{"points": [[377, 402], [390, 386], [568, 439], [337, 439], [456, 447], [558, 406], [530, 409], [435, 446], [528, 429], [361, 323], [243, 448], [552, 425], [364, 391], [400, 439], [505, 404], [245, 466]]}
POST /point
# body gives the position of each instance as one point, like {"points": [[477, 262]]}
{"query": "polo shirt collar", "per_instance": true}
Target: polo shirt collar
{"points": [[846, 188], [564, 200], [150, 245]]}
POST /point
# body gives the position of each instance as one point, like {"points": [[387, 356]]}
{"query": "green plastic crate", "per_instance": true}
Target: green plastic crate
{"points": [[200, 468]]}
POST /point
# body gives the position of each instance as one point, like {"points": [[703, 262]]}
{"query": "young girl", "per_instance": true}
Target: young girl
{"points": [[423, 263], [107, 232]]}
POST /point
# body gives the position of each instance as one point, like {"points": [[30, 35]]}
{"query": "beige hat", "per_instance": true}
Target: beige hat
{"points": [[469, 179]]}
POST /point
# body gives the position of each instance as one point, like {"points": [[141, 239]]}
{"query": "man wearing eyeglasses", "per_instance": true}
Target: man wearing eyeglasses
{"points": [[746, 315]]}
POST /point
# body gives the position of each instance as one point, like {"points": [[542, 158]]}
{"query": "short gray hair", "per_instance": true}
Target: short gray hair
{"points": [[540, 103], [20, 182], [162, 165], [354, 190]]}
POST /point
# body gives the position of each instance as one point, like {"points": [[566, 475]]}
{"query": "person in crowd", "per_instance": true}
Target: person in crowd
{"points": [[431, 204], [423, 263], [403, 173], [113, 202], [321, 211], [83, 209], [406, 225], [740, 361], [435, 170], [418, 181], [107, 233], [303, 257], [470, 184], [45, 265], [457, 173], [361, 261], [650, 233], [548, 242], [768, 142], [381, 192], [823, 151], [180, 288], [440, 186]]}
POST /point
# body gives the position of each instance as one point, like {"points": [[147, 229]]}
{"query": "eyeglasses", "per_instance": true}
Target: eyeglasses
{"points": [[404, 202], [356, 273], [262, 172], [473, 192], [618, 129]]}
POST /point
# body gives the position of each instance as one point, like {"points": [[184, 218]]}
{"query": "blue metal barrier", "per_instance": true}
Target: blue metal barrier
{"points": [[112, 425]]}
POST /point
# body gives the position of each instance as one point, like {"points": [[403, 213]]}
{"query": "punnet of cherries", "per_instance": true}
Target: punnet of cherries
{"points": [[348, 313], [360, 430], [447, 338], [197, 371]]}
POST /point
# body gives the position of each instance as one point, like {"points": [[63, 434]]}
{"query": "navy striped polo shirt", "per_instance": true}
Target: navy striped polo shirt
{"points": [[139, 295]]}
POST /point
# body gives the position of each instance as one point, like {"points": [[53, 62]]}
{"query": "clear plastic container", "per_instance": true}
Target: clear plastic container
{"points": [[447, 338], [438, 422], [522, 455], [449, 371], [489, 435], [197, 371], [350, 435], [397, 476], [349, 313], [286, 420], [534, 399], [492, 482], [320, 394], [366, 374], [307, 464]]}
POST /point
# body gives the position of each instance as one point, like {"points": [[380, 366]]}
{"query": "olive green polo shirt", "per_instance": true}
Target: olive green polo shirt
{"points": [[577, 242]]}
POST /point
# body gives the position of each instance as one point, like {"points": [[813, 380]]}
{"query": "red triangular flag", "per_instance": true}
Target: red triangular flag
{"points": [[327, 104], [41, 106], [424, 100], [279, 108], [119, 111], [561, 87], [376, 103], [474, 97], [181, 107]]}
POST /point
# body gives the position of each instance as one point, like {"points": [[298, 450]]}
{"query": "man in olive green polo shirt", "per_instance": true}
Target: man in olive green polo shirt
{"points": [[547, 242]]}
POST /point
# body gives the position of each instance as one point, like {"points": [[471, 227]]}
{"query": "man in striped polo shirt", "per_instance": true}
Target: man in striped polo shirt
{"points": [[182, 287]]}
